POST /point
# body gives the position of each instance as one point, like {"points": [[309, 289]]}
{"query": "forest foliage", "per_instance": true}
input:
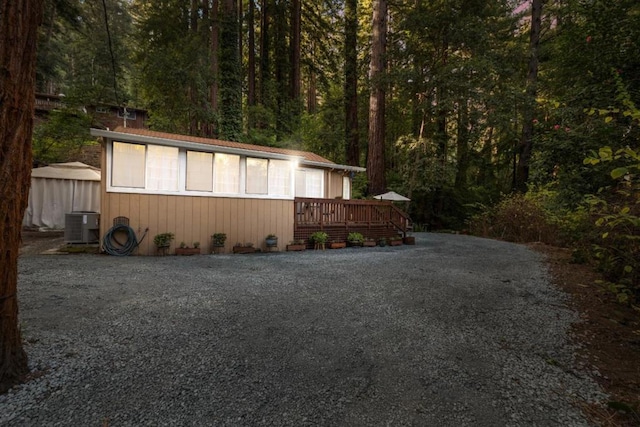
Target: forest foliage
{"points": [[457, 97]]}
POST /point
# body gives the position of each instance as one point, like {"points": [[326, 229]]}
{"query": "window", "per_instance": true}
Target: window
{"points": [[162, 168], [280, 177], [309, 183], [257, 182], [126, 114], [199, 171], [346, 187], [128, 165], [226, 173]]}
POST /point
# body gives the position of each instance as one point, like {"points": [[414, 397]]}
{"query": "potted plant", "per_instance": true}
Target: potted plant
{"points": [[395, 241], [243, 248], [355, 239], [369, 242], [337, 244], [271, 240], [382, 242], [186, 250], [217, 242], [162, 242], [409, 240], [319, 238], [296, 245]]}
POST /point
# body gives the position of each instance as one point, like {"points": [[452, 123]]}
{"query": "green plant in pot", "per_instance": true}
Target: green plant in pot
{"points": [[218, 239], [319, 237], [355, 239], [163, 240], [271, 240]]}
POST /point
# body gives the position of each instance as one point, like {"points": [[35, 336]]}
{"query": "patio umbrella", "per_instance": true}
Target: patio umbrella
{"points": [[393, 196]]}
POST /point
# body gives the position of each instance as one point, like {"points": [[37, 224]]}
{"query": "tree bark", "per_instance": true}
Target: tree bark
{"points": [[214, 88], [351, 82], [264, 50], [19, 20], [294, 50], [251, 90], [526, 140], [230, 74], [375, 153]]}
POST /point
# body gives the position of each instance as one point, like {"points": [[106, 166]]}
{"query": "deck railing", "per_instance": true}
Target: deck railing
{"points": [[333, 212]]}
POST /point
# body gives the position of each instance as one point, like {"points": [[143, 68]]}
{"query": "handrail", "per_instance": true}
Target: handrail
{"points": [[323, 212]]}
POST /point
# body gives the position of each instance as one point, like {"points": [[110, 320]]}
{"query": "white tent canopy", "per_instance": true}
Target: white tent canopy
{"points": [[59, 189], [393, 196]]}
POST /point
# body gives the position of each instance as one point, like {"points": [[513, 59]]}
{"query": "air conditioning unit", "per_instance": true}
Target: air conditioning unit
{"points": [[82, 227]]}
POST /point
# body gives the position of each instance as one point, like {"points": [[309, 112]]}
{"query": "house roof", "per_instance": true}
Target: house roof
{"points": [[145, 135], [74, 171]]}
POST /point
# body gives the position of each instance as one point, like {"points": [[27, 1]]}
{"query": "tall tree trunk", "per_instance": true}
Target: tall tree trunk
{"points": [[193, 89], [312, 95], [19, 20], [294, 50], [230, 74], [265, 10], [351, 82], [526, 140], [214, 88], [375, 154], [251, 90], [281, 64], [462, 145]]}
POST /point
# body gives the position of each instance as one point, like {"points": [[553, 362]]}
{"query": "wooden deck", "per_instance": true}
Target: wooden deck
{"points": [[338, 218]]}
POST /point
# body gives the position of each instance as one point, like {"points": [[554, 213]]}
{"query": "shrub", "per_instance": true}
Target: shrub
{"points": [[517, 218]]}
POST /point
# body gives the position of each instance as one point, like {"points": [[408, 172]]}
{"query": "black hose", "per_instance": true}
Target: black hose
{"points": [[113, 247]]}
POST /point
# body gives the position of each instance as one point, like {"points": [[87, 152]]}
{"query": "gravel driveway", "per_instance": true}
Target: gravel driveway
{"points": [[453, 331]]}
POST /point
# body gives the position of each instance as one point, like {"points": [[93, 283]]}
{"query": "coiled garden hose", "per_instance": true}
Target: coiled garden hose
{"points": [[114, 247]]}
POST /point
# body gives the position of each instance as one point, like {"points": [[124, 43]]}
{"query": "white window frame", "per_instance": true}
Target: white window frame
{"points": [[182, 175], [140, 169], [200, 180], [308, 171], [346, 187]]}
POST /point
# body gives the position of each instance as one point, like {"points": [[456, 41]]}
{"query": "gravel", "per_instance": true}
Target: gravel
{"points": [[453, 331]]}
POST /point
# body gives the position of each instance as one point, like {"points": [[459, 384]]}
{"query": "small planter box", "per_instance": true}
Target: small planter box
{"points": [[337, 245], [162, 250], [409, 240], [243, 249], [369, 243], [187, 251], [397, 242], [296, 247]]}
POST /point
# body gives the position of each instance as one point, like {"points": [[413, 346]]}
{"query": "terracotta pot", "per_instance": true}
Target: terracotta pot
{"points": [[187, 251]]}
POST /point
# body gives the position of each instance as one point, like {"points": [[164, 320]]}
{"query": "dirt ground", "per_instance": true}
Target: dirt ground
{"points": [[609, 333], [37, 242]]}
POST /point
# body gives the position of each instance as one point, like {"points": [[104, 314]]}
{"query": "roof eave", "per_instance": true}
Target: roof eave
{"points": [[333, 166], [122, 136], [129, 137]]}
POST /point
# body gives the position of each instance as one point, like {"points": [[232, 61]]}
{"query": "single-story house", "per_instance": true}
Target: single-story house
{"points": [[195, 187]]}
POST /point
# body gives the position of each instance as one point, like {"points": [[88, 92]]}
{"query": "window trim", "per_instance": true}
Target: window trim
{"points": [[182, 175]]}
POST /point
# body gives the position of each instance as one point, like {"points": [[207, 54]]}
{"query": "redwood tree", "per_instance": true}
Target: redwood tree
{"points": [[526, 140], [351, 82], [375, 154], [19, 20]]}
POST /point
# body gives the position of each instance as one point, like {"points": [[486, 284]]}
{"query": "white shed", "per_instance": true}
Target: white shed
{"points": [[59, 189]]}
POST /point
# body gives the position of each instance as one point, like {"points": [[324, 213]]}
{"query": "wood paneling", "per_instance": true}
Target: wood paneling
{"points": [[334, 185], [195, 219]]}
